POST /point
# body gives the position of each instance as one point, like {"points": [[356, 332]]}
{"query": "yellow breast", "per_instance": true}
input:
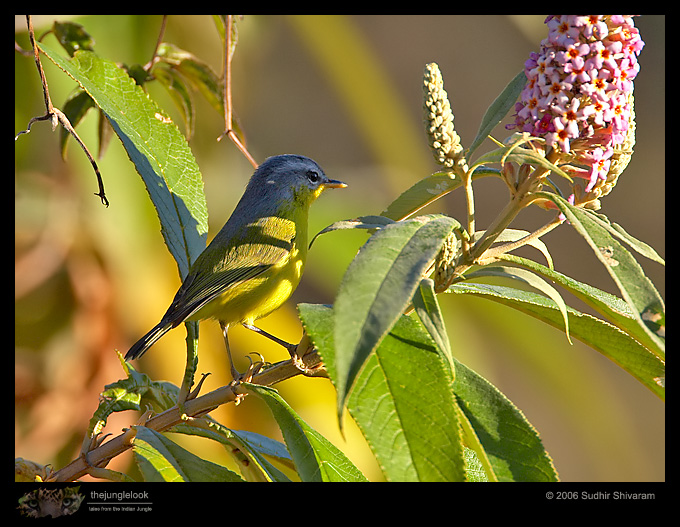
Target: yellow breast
{"points": [[258, 296]]}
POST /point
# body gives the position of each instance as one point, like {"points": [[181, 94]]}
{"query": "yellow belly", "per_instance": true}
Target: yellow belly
{"points": [[256, 297]]}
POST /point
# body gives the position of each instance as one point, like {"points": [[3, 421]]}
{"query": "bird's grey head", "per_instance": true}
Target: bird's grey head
{"points": [[290, 177], [289, 170], [284, 179]]}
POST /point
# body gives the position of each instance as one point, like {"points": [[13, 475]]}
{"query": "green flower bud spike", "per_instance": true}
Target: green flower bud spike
{"points": [[445, 262], [444, 141]]}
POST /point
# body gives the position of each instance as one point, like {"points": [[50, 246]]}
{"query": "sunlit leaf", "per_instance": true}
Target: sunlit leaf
{"points": [[498, 110], [160, 459], [156, 147], [378, 285], [316, 458]]}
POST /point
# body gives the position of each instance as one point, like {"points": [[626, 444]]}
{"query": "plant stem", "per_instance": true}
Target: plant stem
{"points": [[99, 456], [470, 201], [492, 254]]}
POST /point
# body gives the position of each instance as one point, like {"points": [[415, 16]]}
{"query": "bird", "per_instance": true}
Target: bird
{"points": [[255, 262]]}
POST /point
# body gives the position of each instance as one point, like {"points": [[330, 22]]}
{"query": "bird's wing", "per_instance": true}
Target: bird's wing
{"points": [[225, 266]]}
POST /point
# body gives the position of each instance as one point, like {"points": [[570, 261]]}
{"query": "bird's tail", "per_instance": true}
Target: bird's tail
{"points": [[139, 348]]}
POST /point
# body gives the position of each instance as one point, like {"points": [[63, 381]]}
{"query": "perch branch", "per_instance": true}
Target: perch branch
{"points": [[56, 116]]}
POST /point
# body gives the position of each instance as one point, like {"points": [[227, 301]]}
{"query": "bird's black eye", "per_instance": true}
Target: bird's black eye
{"points": [[313, 176]]}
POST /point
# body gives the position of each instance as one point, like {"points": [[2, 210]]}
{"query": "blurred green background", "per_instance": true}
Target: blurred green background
{"points": [[346, 91]]}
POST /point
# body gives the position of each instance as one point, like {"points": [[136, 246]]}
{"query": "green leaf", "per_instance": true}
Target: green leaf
{"points": [[197, 72], [256, 446], [428, 190], [264, 445], [362, 222], [404, 405], [158, 150], [247, 448], [616, 230], [402, 400], [221, 25], [475, 468], [378, 285], [411, 414], [637, 290], [72, 37], [598, 334], [160, 459], [530, 279], [498, 110], [516, 154], [609, 306], [494, 427], [175, 85], [428, 310], [316, 458], [513, 235], [132, 393]]}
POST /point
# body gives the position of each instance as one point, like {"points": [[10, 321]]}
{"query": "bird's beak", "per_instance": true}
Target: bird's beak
{"points": [[334, 183]]}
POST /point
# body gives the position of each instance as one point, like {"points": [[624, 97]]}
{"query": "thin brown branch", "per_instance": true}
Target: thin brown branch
{"points": [[228, 109], [493, 253], [98, 457], [21, 50], [159, 41], [63, 120], [57, 116], [36, 56], [227, 73]]}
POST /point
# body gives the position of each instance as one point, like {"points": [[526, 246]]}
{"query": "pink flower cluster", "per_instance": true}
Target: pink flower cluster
{"points": [[577, 95]]}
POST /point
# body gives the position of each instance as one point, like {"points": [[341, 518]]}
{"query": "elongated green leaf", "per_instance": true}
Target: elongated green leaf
{"points": [[637, 290], [611, 307], [513, 235], [265, 446], [378, 285], [221, 26], [516, 154], [498, 110], [160, 459], [404, 405], [531, 279], [507, 440], [428, 190], [176, 87], [421, 194], [72, 37], [155, 146], [316, 458], [637, 245], [197, 72], [428, 310], [402, 401], [136, 391], [256, 446], [608, 340], [247, 449], [362, 222]]}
